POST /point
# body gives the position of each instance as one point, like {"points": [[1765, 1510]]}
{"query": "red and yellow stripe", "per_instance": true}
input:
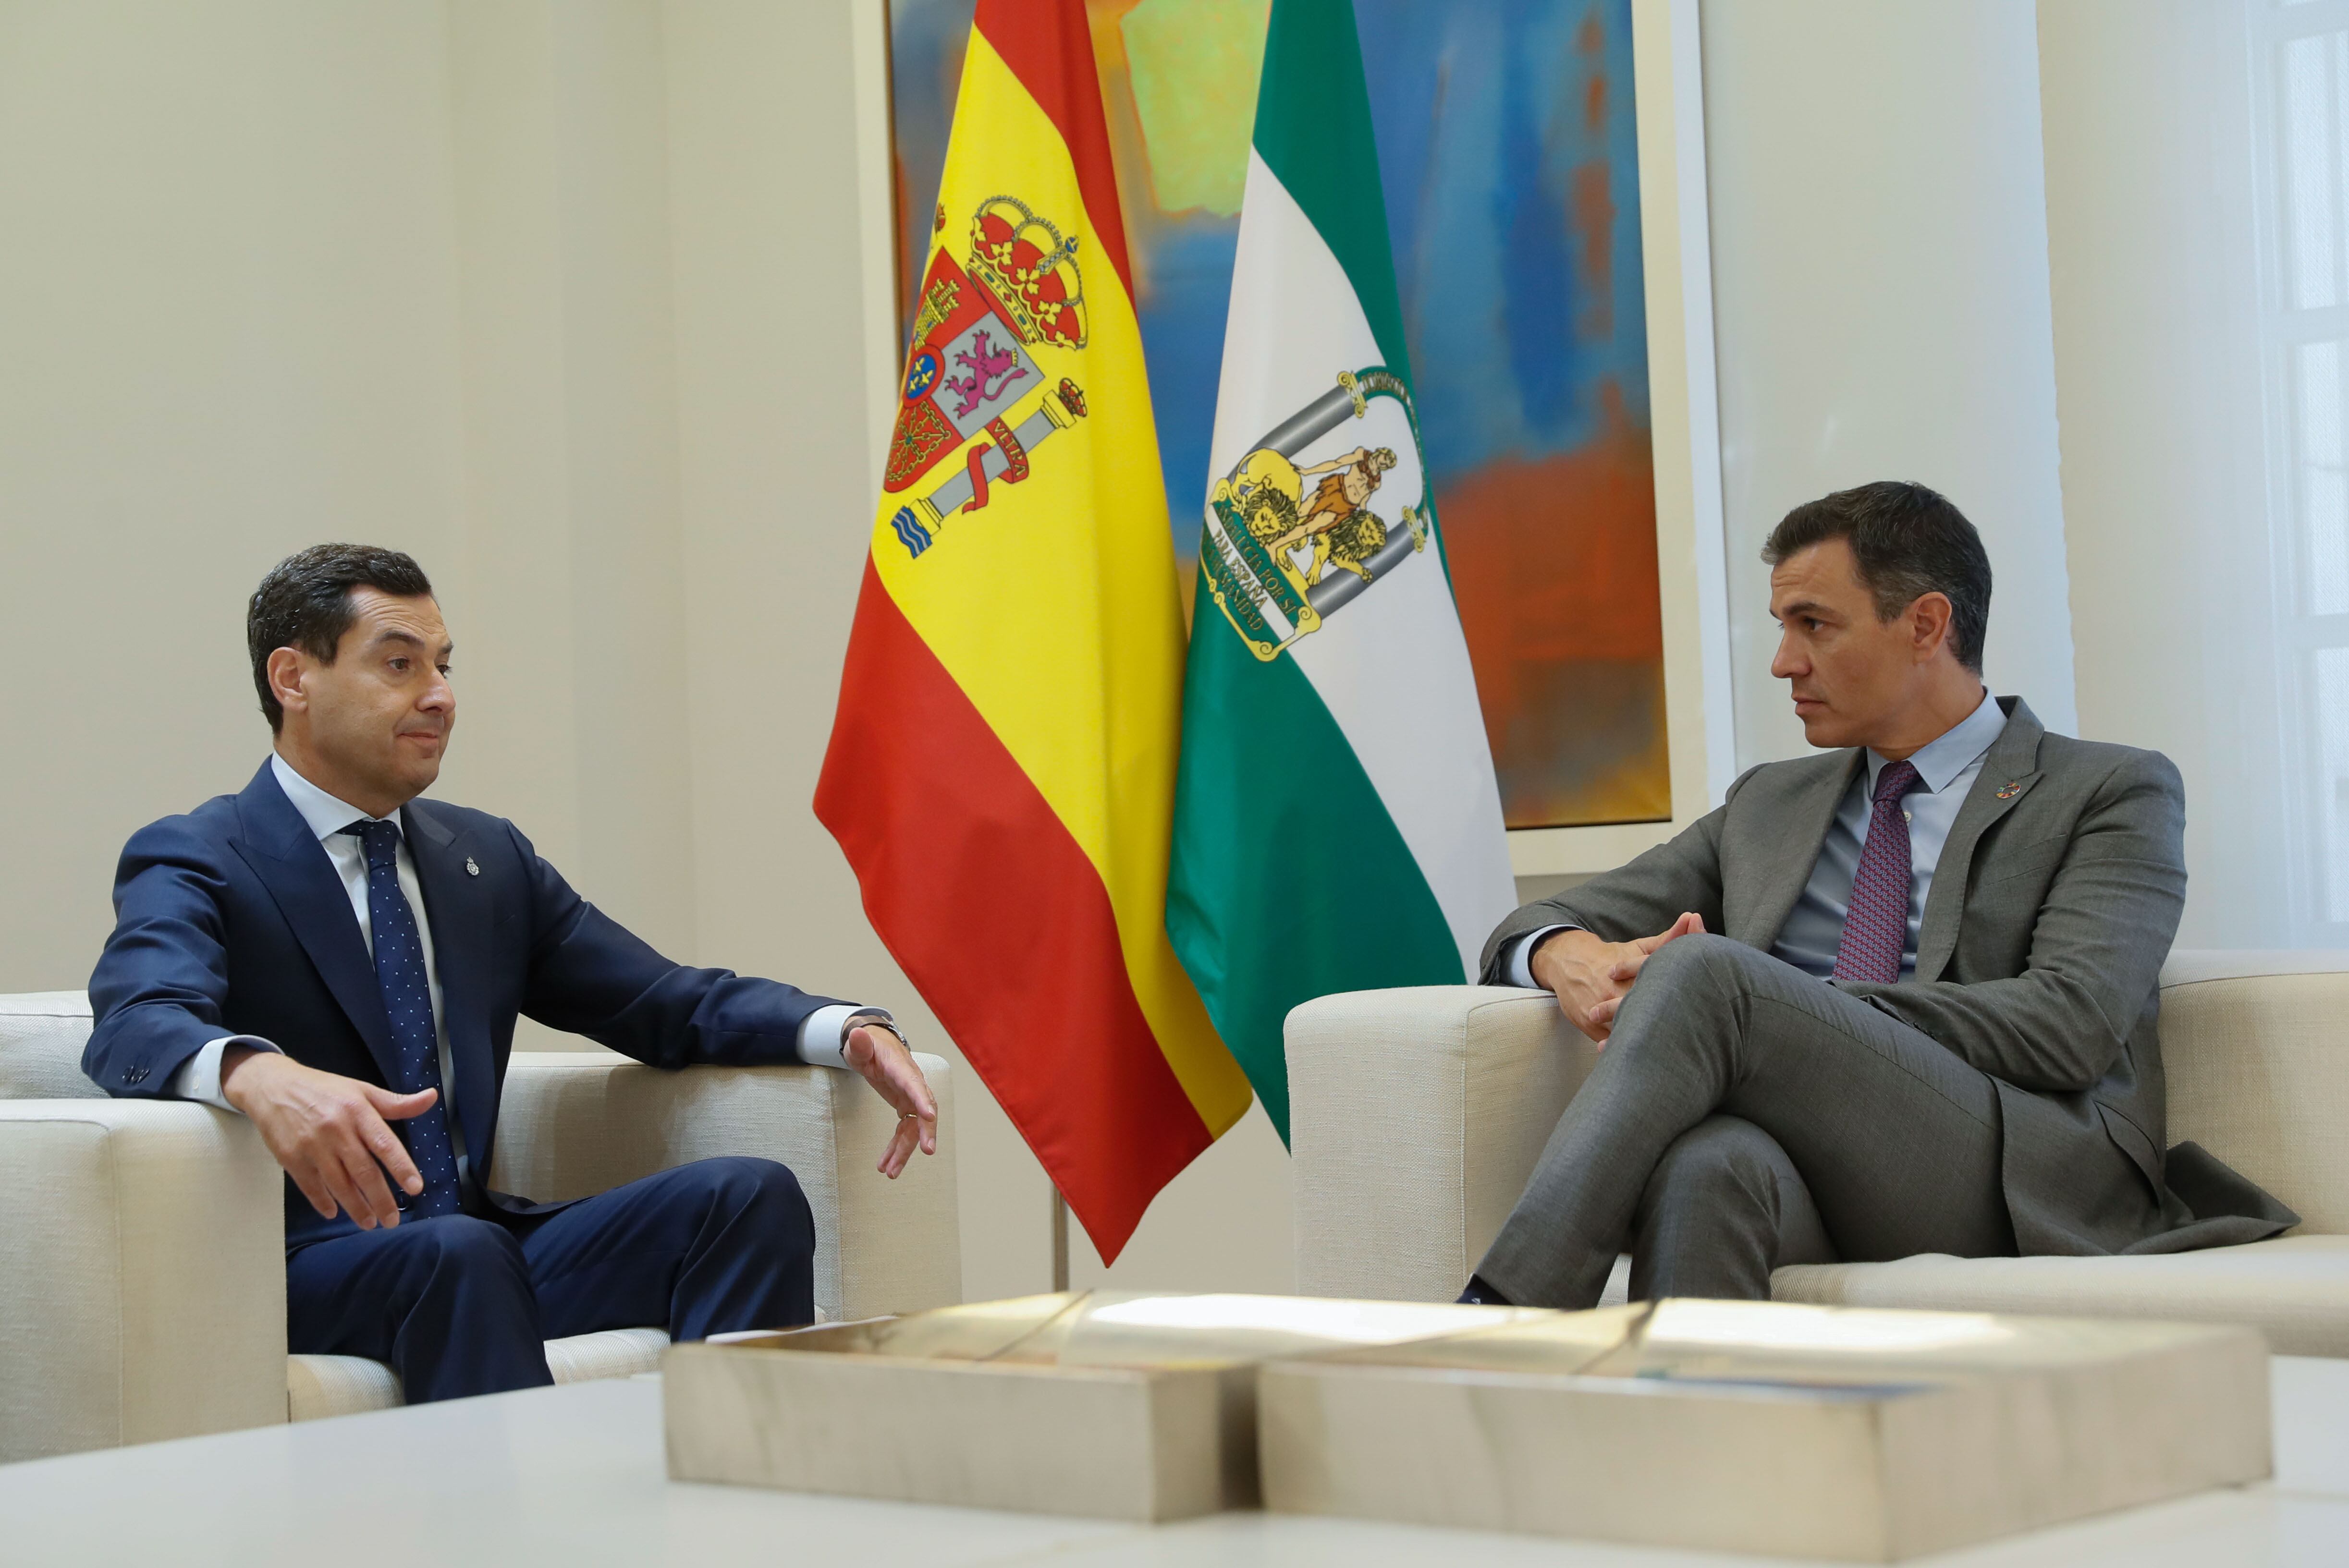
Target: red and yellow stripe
{"points": [[1001, 771]]}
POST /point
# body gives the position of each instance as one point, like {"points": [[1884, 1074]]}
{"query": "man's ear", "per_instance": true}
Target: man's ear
{"points": [[284, 668], [1928, 624]]}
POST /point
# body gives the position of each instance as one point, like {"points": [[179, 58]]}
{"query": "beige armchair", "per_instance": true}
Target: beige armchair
{"points": [[142, 1277], [1416, 1116]]}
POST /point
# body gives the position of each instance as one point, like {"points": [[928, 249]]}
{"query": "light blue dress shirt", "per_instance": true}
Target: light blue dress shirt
{"points": [[1947, 767]]}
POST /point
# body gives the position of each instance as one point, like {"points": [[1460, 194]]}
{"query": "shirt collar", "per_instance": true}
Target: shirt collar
{"points": [[325, 815], [1939, 762]]}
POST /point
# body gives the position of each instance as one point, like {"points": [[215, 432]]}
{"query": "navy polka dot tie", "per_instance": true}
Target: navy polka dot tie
{"points": [[408, 999], [1875, 927]]}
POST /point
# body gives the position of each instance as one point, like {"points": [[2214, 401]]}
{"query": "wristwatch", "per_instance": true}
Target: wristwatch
{"points": [[879, 1018]]}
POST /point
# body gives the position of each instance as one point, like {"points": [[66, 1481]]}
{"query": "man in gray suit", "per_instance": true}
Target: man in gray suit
{"points": [[1927, 1022]]}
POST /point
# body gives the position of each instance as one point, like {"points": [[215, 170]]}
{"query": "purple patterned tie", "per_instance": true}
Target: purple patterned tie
{"points": [[1876, 929]]}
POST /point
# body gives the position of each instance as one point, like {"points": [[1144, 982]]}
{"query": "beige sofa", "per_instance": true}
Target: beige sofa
{"points": [[142, 1277], [1416, 1116]]}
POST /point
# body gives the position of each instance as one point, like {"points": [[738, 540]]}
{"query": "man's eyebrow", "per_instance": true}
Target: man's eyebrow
{"points": [[1802, 607], [399, 634]]}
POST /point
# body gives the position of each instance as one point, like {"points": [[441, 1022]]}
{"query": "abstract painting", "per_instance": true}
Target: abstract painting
{"points": [[1509, 161]]}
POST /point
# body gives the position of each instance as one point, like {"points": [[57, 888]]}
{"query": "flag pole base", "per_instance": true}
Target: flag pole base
{"points": [[1059, 1240]]}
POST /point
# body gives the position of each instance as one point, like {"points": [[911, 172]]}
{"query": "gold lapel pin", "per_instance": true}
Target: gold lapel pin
{"points": [[471, 869]]}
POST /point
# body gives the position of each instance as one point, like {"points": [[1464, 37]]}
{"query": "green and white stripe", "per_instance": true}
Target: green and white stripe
{"points": [[1336, 825]]}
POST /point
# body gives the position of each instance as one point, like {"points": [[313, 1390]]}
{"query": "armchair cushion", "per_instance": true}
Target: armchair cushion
{"points": [[2295, 1289], [320, 1385]]}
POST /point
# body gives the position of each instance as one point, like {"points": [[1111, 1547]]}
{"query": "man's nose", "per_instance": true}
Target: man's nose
{"points": [[438, 696], [1789, 662]]}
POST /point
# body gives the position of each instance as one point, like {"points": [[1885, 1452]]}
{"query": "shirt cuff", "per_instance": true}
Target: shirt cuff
{"points": [[198, 1078], [1520, 967], [824, 1034]]}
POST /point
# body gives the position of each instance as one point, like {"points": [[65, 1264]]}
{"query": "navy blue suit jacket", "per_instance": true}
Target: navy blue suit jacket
{"points": [[232, 920]]}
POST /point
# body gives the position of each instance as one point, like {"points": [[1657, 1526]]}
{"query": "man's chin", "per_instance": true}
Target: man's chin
{"points": [[1824, 730], [420, 773]]}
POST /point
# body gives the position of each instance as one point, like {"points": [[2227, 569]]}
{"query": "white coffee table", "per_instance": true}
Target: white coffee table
{"points": [[574, 1476]]}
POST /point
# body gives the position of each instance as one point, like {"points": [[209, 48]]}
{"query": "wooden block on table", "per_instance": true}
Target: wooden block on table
{"points": [[1768, 1427], [1111, 1405]]}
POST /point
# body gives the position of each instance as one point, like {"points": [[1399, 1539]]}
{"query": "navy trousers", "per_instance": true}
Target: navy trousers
{"points": [[461, 1304]]}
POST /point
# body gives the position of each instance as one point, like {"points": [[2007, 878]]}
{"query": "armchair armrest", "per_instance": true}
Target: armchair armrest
{"points": [[574, 1123], [142, 1274], [1415, 1118]]}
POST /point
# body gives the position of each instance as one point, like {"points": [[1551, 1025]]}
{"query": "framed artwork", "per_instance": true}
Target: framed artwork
{"points": [[1509, 149]]}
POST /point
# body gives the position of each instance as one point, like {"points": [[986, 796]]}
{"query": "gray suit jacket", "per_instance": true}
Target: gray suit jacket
{"points": [[2052, 910]]}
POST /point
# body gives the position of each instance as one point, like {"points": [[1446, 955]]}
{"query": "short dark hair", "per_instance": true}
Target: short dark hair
{"points": [[1906, 542], [305, 603]]}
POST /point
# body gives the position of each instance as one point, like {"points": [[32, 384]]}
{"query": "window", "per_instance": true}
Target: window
{"points": [[2300, 94]]}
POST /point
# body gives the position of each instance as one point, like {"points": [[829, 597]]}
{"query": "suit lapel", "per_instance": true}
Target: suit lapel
{"points": [[2008, 773], [291, 862], [458, 908], [1783, 861]]}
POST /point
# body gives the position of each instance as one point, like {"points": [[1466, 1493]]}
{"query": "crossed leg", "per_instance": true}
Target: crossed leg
{"points": [[1745, 1115]]}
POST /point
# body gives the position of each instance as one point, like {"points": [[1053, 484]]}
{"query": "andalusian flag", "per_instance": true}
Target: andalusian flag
{"points": [[1336, 826], [1001, 771]]}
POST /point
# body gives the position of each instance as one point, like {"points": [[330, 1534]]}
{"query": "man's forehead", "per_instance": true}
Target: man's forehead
{"points": [[381, 613], [1815, 569]]}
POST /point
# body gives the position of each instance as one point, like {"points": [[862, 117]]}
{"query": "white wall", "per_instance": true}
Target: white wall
{"points": [[572, 300], [278, 273], [1881, 308], [164, 384], [2154, 245]]}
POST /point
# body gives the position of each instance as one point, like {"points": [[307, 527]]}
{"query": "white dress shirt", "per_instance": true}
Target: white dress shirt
{"points": [[1947, 767], [823, 1034]]}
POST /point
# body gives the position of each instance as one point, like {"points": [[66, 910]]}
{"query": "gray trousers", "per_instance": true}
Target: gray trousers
{"points": [[1745, 1115]]}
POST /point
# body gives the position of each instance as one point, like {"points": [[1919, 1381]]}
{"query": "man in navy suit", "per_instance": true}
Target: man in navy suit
{"points": [[330, 954]]}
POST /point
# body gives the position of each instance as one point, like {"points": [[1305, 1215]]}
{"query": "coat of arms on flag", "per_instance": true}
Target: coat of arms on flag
{"points": [[1279, 557], [972, 366]]}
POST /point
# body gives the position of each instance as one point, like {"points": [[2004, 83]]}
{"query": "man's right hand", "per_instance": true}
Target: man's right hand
{"points": [[329, 1133], [1590, 977]]}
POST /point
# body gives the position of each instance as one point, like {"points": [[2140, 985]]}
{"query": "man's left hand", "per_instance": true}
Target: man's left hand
{"points": [[886, 1063]]}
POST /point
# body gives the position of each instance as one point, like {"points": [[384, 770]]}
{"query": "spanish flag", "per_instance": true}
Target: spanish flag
{"points": [[1001, 770]]}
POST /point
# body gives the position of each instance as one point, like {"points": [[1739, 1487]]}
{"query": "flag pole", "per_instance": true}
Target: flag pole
{"points": [[1059, 1240]]}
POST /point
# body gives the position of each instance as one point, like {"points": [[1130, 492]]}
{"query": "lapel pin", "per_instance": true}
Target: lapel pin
{"points": [[2009, 793], [471, 869]]}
